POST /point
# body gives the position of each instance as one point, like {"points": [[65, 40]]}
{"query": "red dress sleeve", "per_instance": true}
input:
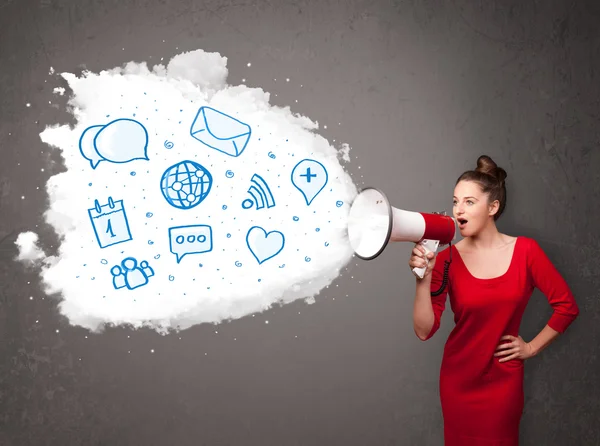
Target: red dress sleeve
{"points": [[438, 303], [548, 280]]}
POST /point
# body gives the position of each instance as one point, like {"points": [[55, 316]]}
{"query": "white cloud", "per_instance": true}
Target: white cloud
{"points": [[29, 251], [226, 281]]}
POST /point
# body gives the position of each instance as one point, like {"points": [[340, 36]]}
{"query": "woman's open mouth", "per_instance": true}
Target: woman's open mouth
{"points": [[461, 223]]}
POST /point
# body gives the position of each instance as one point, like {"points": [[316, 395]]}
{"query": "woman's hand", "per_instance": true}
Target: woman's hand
{"points": [[517, 348], [418, 259]]}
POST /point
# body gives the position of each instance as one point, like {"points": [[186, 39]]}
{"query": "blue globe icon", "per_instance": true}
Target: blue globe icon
{"points": [[186, 184]]}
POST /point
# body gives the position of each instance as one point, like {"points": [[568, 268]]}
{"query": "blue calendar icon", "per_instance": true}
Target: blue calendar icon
{"points": [[110, 223]]}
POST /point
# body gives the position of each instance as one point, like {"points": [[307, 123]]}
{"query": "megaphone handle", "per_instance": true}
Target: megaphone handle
{"points": [[429, 246]]}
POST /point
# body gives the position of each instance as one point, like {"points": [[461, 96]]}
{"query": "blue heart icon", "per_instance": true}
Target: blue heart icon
{"points": [[264, 245]]}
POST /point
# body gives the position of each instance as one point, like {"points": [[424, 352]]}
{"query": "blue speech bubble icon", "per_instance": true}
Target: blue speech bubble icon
{"points": [[191, 239], [309, 177], [122, 140], [86, 145], [119, 141]]}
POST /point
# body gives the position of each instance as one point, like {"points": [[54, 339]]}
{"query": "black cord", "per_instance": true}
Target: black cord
{"points": [[445, 277]]}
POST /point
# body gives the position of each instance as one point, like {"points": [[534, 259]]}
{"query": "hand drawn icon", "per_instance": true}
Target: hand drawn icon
{"points": [[186, 184], [110, 223], [130, 275], [146, 268], [309, 177], [220, 131], [260, 192], [264, 245], [119, 141], [191, 239]]}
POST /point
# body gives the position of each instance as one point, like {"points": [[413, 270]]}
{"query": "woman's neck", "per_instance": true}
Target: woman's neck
{"points": [[489, 238]]}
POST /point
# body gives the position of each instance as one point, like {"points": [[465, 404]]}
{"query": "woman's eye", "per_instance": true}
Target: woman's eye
{"points": [[470, 202]]}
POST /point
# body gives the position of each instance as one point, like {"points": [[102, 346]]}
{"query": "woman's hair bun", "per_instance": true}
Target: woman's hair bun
{"points": [[486, 165]]}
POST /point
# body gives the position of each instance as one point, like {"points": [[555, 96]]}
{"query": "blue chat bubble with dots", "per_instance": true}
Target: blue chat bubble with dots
{"points": [[191, 239]]}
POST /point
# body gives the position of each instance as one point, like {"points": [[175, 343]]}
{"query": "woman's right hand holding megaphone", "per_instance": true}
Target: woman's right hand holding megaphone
{"points": [[419, 259]]}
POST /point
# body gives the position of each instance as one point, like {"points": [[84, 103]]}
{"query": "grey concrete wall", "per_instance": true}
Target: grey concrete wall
{"points": [[420, 89]]}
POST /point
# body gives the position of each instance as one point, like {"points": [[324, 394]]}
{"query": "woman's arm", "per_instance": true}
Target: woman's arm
{"points": [[423, 316], [428, 309], [543, 339], [550, 282]]}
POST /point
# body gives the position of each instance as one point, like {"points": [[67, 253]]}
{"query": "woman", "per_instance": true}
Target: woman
{"points": [[490, 281]]}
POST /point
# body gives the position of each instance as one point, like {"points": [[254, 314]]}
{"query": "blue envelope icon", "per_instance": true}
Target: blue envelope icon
{"points": [[220, 131]]}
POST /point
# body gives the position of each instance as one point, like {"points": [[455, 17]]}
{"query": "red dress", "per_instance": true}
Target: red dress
{"points": [[482, 399]]}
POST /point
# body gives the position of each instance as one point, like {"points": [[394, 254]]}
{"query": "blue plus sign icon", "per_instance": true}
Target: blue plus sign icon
{"points": [[309, 177]]}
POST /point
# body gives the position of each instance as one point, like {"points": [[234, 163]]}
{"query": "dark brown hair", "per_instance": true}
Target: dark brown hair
{"points": [[490, 178]]}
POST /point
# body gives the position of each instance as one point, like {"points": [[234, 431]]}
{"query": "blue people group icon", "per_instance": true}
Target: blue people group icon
{"points": [[131, 275], [260, 194], [109, 222], [190, 239], [221, 132], [309, 177], [119, 141], [185, 184]]}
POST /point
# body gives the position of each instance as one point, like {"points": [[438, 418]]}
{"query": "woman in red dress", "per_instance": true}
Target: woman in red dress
{"points": [[491, 279]]}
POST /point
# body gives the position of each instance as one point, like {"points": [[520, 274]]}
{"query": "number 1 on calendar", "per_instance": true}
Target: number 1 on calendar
{"points": [[109, 222], [109, 229]]}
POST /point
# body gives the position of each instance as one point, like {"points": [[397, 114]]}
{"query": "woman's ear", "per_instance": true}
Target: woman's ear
{"points": [[493, 207]]}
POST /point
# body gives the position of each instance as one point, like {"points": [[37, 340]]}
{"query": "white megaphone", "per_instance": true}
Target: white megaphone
{"points": [[373, 223]]}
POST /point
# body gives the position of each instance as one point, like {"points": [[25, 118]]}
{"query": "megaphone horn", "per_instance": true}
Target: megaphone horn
{"points": [[373, 223]]}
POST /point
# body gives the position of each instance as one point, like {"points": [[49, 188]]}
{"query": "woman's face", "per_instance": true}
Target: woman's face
{"points": [[471, 208]]}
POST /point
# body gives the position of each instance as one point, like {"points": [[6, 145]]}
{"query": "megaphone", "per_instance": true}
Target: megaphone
{"points": [[373, 223]]}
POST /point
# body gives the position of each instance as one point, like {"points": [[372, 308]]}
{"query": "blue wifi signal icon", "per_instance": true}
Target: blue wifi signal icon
{"points": [[260, 193]]}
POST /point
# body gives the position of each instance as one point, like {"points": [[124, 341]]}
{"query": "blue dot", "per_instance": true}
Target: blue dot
{"points": [[132, 174], [296, 218]]}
